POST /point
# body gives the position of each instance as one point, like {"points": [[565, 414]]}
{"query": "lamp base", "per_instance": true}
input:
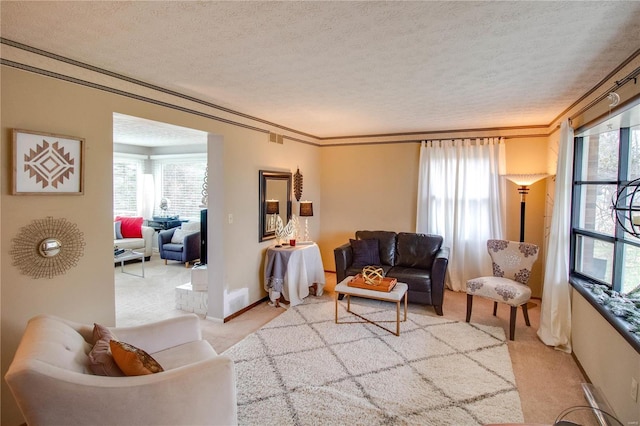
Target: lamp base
{"points": [[306, 229]]}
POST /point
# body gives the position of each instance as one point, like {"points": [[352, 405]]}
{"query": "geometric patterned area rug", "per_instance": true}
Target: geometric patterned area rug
{"points": [[303, 369]]}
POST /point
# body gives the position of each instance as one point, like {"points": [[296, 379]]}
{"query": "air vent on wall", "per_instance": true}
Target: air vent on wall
{"points": [[276, 138]]}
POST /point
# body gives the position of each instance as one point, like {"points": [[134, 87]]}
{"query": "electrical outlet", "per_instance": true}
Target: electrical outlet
{"points": [[230, 218], [634, 389]]}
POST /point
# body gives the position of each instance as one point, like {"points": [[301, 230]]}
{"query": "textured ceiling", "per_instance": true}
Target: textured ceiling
{"points": [[139, 131], [349, 68]]}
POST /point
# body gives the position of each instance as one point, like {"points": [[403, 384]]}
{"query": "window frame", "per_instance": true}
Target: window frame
{"points": [[576, 278]]}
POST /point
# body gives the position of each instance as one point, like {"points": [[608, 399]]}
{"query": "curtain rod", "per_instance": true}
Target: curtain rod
{"points": [[633, 75]]}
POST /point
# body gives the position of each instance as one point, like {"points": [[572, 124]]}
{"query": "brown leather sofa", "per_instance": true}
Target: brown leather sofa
{"points": [[416, 259]]}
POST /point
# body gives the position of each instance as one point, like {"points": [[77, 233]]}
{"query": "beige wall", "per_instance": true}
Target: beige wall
{"points": [[86, 292], [609, 361], [366, 187], [375, 187]]}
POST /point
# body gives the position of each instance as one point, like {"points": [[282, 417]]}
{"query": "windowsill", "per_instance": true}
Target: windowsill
{"points": [[619, 324]]}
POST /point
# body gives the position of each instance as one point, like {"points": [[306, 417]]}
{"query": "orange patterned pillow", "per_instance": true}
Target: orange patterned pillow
{"points": [[133, 361]]}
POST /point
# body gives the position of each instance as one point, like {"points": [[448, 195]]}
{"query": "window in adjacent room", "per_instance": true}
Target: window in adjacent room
{"points": [[181, 181], [127, 175]]}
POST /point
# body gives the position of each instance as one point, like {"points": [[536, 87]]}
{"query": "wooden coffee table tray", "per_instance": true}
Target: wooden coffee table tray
{"points": [[386, 284]]}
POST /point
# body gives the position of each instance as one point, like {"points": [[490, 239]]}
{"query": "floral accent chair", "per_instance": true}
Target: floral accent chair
{"points": [[512, 263]]}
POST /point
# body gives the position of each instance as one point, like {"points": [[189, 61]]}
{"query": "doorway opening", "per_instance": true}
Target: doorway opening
{"points": [[160, 179]]}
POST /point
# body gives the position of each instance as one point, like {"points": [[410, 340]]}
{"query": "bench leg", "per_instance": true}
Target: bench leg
{"points": [[398, 318], [405, 306]]}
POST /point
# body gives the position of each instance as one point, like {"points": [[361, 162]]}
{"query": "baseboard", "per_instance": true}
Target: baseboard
{"points": [[245, 309]]}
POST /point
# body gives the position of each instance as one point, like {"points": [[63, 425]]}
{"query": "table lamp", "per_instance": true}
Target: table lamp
{"points": [[273, 208], [306, 210]]}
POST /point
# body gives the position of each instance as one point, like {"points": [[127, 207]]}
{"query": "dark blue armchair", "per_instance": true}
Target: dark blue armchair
{"points": [[186, 252]]}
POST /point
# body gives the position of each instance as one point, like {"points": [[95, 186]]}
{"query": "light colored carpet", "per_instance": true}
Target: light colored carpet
{"points": [[302, 368]]}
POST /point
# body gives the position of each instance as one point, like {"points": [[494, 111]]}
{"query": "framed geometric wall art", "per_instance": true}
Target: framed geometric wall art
{"points": [[47, 164]]}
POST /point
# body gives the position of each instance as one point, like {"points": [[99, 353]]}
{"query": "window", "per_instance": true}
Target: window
{"points": [[181, 182], [127, 173], [602, 251]]}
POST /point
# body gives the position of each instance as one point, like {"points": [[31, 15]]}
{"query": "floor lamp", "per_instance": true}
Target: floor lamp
{"points": [[524, 182]]}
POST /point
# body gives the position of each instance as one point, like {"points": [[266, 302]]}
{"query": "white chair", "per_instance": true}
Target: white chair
{"points": [[512, 263], [52, 384]]}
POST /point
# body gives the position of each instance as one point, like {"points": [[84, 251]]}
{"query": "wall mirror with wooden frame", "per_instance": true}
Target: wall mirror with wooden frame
{"points": [[274, 202]]}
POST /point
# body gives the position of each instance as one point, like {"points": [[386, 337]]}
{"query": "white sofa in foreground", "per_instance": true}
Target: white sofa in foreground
{"points": [[52, 383]]}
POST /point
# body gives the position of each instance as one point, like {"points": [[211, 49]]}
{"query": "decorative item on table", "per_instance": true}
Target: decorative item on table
{"points": [[287, 232], [118, 251], [626, 207], [164, 206], [372, 275], [297, 184], [306, 211], [372, 278]]}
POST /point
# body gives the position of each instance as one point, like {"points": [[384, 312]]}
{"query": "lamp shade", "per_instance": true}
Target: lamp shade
{"points": [[526, 179], [306, 208], [273, 207]]}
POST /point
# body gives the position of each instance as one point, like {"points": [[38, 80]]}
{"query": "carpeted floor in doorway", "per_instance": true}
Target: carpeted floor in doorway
{"points": [[303, 369]]}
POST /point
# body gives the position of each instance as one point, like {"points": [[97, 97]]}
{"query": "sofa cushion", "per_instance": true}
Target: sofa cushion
{"points": [[173, 247], [130, 243], [117, 230], [417, 250], [185, 354], [417, 279], [178, 236], [386, 242], [365, 252], [131, 226], [57, 343], [101, 361], [189, 227], [133, 361]]}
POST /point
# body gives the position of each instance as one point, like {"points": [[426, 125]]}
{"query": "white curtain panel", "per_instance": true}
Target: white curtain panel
{"points": [[555, 312], [145, 195], [461, 197]]}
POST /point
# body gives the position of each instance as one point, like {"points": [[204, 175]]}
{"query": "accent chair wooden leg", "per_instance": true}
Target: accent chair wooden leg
{"points": [[525, 312], [165, 261], [512, 322], [469, 306], [495, 308], [186, 264]]}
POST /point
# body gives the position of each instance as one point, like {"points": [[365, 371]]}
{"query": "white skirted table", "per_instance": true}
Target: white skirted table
{"points": [[291, 271]]}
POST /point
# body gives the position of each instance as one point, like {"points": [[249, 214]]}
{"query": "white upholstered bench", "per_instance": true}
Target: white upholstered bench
{"points": [[395, 295]]}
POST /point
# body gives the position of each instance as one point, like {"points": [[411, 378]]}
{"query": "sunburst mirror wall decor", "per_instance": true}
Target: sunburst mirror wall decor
{"points": [[47, 247]]}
